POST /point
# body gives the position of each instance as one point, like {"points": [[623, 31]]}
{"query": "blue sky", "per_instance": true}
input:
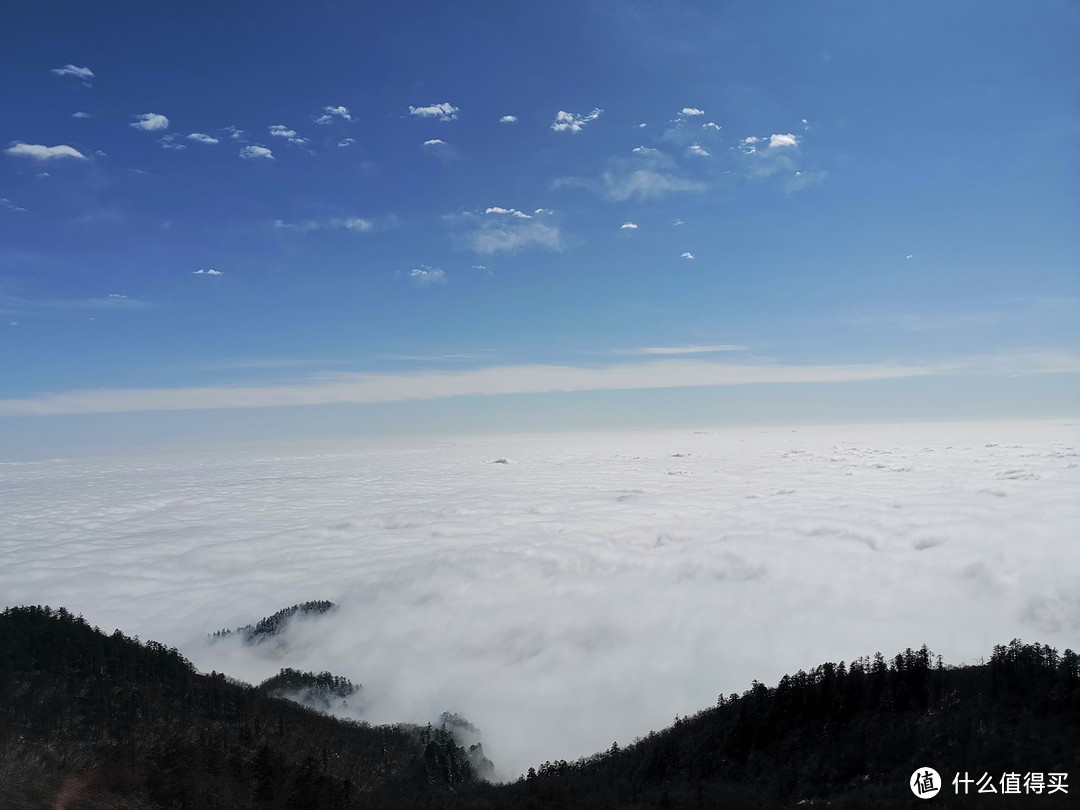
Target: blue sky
{"points": [[841, 211]]}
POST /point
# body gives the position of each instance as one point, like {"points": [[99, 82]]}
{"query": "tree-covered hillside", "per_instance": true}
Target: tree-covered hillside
{"points": [[110, 722], [89, 721]]}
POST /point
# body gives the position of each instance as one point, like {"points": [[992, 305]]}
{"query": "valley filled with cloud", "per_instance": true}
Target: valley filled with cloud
{"points": [[565, 591]]}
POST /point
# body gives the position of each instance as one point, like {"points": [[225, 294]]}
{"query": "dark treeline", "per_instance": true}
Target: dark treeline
{"points": [[130, 725], [846, 735], [115, 723], [309, 689], [274, 624]]}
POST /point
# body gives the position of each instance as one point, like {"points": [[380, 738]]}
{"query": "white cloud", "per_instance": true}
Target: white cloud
{"points": [[437, 147], [683, 132], [199, 137], [254, 152], [8, 205], [210, 272], [169, 142], [443, 112], [697, 149], [649, 174], [511, 212], [346, 142], [425, 276], [666, 350], [508, 119], [282, 131], [507, 230], [330, 113], [642, 126], [81, 115], [36, 151], [11, 305], [780, 155], [83, 74], [150, 122], [628, 226], [522, 379], [357, 224], [909, 256], [350, 223], [932, 322], [233, 132], [687, 255], [671, 588], [801, 180], [678, 222], [573, 122]]}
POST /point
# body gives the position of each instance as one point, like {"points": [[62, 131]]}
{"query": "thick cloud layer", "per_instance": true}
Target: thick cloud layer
{"points": [[585, 590]]}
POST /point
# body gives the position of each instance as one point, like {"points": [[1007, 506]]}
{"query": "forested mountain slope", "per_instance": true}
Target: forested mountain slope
{"points": [[95, 721]]}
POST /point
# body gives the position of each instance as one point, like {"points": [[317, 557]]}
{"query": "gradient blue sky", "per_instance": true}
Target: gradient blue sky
{"points": [[390, 254]]}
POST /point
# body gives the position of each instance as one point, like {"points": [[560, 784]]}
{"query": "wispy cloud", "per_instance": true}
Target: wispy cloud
{"points": [[36, 151], [170, 142], [83, 74], [424, 276], [801, 180], [8, 205], [687, 255], [233, 132], [697, 150], [777, 154], [628, 226], [254, 152], [573, 122], [522, 379], [81, 115], [330, 113], [150, 122], [348, 223], [508, 230], [684, 129], [290, 135], [508, 119], [513, 212], [210, 272], [16, 305], [934, 322], [647, 174], [199, 137], [437, 147], [652, 350], [443, 112], [346, 142]]}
